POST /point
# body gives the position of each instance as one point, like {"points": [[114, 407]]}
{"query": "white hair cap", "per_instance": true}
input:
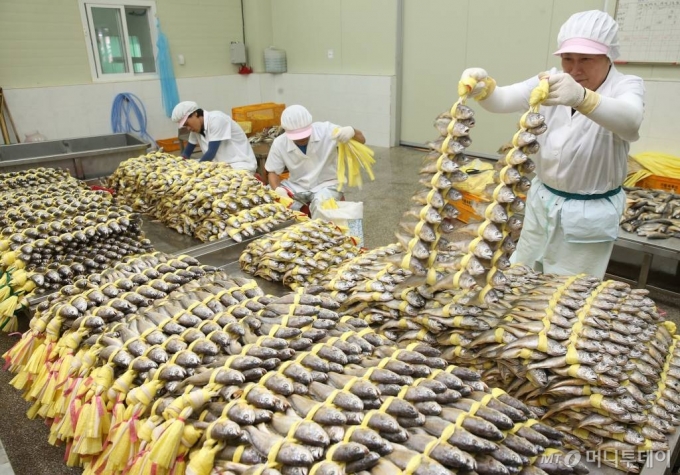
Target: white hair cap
{"points": [[297, 122], [591, 32], [182, 111]]}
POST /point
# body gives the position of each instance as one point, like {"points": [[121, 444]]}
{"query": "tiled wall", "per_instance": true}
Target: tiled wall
{"points": [[365, 102]]}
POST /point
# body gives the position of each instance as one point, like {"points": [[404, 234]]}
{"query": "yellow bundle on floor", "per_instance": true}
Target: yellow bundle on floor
{"points": [[654, 163], [352, 157]]}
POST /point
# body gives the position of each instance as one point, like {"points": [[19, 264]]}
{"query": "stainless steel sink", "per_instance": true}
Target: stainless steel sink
{"points": [[85, 157]]}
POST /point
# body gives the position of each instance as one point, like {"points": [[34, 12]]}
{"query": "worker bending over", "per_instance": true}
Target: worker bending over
{"points": [[220, 137], [308, 150]]}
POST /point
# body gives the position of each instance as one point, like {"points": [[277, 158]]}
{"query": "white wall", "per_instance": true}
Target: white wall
{"points": [[83, 110]]}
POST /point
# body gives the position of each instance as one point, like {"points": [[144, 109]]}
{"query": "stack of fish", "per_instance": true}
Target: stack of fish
{"points": [[207, 200], [54, 232], [266, 135], [423, 225], [30, 179], [591, 358], [298, 255], [203, 373], [654, 214]]}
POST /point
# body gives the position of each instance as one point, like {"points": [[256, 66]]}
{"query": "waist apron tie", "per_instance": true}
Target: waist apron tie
{"points": [[576, 196]]}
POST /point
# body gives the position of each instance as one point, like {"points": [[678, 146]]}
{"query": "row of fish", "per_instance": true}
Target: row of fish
{"points": [[206, 200], [30, 179], [654, 214], [213, 376], [54, 229], [299, 254]]}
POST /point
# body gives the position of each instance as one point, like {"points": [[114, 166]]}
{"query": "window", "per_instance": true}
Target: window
{"points": [[121, 38]]}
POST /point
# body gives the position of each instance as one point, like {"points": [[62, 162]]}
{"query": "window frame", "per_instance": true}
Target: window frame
{"points": [[91, 41]]}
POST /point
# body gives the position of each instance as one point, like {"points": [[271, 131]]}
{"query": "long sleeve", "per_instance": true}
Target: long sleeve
{"points": [[622, 114], [512, 98], [212, 150]]}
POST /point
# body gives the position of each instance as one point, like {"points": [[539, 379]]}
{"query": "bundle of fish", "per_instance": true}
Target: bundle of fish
{"points": [[55, 232], [207, 200], [215, 377], [654, 214], [458, 256], [298, 255], [591, 358], [28, 179]]}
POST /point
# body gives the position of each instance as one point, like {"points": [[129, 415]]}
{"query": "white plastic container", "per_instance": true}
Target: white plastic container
{"points": [[274, 60]]}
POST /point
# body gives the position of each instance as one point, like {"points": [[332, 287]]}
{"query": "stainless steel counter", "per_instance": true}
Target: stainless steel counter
{"points": [[661, 248]]}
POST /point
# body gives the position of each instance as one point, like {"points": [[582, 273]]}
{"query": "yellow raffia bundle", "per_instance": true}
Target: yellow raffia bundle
{"points": [[352, 158], [330, 203]]}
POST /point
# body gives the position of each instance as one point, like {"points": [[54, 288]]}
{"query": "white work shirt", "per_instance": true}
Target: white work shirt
{"points": [[313, 171], [234, 148], [577, 155]]}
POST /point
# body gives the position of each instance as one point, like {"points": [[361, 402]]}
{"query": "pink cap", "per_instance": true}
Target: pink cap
{"points": [[299, 134], [582, 46], [184, 119]]}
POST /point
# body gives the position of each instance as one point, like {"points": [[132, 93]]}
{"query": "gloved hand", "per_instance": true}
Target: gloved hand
{"points": [[485, 84], [564, 91], [281, 191], [344, 134]]}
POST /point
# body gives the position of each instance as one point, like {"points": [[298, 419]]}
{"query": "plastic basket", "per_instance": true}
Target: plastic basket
{"points": [[169, 145], [247, 126], [260, 116], [465, 207], [657, 182]]}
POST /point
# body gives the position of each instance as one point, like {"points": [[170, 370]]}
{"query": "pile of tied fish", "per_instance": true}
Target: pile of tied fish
{"points": [[300, 254], [161, 365], [54, 229], [654, 214], [591, 358], [206, 200], [475, 254]]}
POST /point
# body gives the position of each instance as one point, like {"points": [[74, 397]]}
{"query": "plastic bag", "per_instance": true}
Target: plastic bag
{"points": [[480, 174], [348, 214]]}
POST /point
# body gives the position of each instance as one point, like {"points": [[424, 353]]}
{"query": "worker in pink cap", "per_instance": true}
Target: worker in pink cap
{"points": [[593, 113], [308, 150]]}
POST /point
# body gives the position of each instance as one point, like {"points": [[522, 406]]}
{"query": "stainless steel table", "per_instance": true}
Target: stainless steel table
{"points": [[663, 248]]}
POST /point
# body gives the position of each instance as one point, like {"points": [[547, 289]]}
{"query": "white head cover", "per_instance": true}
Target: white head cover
{"points": [[297, 122], [591, 32], [182, 111]]}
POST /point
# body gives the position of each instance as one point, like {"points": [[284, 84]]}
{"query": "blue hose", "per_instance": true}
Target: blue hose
{"points": [[126, 110]]}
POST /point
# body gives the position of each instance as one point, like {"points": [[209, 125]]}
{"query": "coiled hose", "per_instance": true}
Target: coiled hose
{"points": [[128, 111]]}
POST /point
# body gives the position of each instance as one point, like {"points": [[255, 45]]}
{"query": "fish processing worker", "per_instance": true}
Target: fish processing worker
{"points": [[309, 151], [593, 112], [220, 137]]}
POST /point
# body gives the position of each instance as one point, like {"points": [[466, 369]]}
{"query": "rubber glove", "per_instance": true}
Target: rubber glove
{"points": [[564, 91], [485, 84], [281, 191], [344, 134]]}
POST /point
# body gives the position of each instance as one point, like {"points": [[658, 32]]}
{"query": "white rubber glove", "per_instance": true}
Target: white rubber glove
{"points": [[281, 191], [485, 84], [564, 91], [344, 134]]}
